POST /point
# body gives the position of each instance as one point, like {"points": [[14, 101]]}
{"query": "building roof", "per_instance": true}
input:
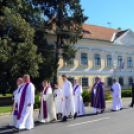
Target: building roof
{"points": [[100, 33]]}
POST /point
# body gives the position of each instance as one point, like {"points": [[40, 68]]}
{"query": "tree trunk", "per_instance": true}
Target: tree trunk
{"points": [[58, 45]]}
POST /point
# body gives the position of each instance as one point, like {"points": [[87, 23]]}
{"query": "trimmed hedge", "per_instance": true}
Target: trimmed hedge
{"points": [[37, 102], [87, 96], [126, 93]]}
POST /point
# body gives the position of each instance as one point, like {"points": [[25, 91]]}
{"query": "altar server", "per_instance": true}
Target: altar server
{"points": [[47, 110], [58, 100], [25, 105], [98, 96], [14, 114], [77, 91], [116, 93], [68, 99]]}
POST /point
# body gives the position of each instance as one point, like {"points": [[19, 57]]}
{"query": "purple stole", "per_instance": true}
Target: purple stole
{"points": [[22, 100], [45, 103], [76, 87]]}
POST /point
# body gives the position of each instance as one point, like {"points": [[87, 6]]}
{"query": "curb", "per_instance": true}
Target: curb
{"points": [[36, 110]]}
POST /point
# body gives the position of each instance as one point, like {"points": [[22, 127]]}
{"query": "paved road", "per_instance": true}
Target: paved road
{"points": [[121, 122]]}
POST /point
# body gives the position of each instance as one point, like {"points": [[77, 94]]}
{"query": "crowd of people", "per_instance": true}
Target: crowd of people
{"points": [[58, 104]]}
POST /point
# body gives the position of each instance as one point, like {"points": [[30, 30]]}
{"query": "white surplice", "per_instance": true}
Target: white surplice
{"points": [[58, 101], [79, 106], [26, 119], [13, 120], [68, 103], [117, 103], [51, 114]]}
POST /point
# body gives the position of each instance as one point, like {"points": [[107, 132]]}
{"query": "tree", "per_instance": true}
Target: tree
{"points": [[18, 54], [68, 22]]}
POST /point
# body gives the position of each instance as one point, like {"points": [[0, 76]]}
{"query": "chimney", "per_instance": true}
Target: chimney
{"points": [[119, 28]]}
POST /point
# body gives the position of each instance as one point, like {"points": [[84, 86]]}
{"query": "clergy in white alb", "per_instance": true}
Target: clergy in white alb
{"points": [[116, 93], [47, 110], [25, 105], [58, 100], [77, 91], [14, 114], [68, 99]]}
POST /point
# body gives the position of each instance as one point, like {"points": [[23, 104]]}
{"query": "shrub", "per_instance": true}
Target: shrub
{"points": [[86, 96], [126, 93], [37, 102], [107, 96]]}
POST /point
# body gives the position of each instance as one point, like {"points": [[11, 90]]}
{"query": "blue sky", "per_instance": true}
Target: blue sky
{"points": [[120, 13]]}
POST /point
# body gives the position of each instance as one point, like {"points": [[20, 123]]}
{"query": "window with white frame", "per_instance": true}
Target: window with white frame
{"points": [[84, 82], [71, 79], [109, 81], [97, 59], [129, 62], [84, 58], [109, 60], [120, 61], [130, 80], [121, 81], [70, 62]]}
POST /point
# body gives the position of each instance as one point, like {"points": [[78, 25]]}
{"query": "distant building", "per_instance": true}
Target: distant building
{"points": [[102, 51]]}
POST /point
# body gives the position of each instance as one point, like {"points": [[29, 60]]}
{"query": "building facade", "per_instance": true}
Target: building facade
{"points": [[106, 52]]}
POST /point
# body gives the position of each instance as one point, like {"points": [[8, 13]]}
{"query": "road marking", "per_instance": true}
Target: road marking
{"points": [[78, 124]]}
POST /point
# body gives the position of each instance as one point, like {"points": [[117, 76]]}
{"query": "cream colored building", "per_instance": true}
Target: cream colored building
{"points": [[102, 51]]}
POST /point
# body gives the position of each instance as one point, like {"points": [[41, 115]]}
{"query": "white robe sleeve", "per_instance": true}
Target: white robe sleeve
{"points": [[68, 89], [30, 94], [78, 91], [118, 90], [48, 94]]}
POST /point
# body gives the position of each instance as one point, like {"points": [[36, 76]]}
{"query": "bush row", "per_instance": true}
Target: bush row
{"points": [[87, 96]]}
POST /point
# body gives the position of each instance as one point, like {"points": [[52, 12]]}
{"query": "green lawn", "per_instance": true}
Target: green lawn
{"points": [[6, 95], [5, 109]]}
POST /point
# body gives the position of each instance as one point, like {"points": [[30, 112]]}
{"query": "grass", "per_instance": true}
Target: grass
{"points": [[7, 95], [5, 109]]}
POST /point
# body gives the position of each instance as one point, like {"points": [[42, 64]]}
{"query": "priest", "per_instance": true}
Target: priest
{"points": [[77, 91], [25, 103], [68, 99], [58, 100], [14, 114], [47, 110], [116, 93], [98, 96]]}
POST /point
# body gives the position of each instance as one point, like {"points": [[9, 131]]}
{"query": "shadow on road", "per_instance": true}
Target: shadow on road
{"points": [[6, 130]]}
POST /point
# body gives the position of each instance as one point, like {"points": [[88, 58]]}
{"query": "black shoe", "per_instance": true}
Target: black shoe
{"points": [[121, 108], [75, 115], [16, 130], [131, 106], [113, 110], [64, 119], [102, 111], [57, 116], [10, 127]]}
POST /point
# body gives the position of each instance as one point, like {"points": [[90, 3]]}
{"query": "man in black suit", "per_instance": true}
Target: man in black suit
{"points": [[133, 95]]}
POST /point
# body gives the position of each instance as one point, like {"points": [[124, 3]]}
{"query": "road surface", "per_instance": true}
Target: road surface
{"points": [[121, 122]]}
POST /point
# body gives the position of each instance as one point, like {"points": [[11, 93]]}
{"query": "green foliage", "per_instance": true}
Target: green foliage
{"points": [[126, 93], [87, 96], [107, 96], [37, 102], [67, 16], [18, 54]]}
